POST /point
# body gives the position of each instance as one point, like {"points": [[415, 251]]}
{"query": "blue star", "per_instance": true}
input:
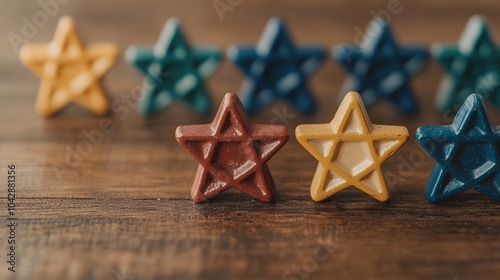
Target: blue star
{"points": [[467, 153], [174, 70], [380, 69], [472, 66], [276, 69]]}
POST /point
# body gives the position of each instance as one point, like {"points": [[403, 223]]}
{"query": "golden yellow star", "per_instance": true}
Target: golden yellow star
{"points": [[350, 150], [69, 72]]}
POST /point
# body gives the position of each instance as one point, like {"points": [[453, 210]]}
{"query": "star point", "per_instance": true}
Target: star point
{"points": [[381, 70], [232, 152], [467, 153], [69, 72], [350, 151], [174, 70], [276, 69]]}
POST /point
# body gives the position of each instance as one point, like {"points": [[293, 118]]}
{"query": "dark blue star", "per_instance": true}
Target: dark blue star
{"points": [[276, 69], [174, 71], [380, 69], [467, 153]]}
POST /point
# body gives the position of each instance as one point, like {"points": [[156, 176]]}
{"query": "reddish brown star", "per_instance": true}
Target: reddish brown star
{"points": [[232, 152]]}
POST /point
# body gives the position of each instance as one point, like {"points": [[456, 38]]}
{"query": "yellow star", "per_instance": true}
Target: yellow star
{"points": [[69, 72], [350, 150]]}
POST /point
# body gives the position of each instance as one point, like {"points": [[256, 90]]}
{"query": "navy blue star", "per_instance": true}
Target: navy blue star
{"points": [[276, 69], [380, 69], [467, 153], [174, 71]]}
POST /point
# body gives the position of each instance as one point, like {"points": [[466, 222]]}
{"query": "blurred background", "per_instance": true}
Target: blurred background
{"points": [[124, 212], [225, 22]]}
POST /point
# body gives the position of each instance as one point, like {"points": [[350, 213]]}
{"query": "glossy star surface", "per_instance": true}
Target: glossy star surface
{"points": [[276, 69], [380, 69], [174, 71], [467, 153], [350, 151], [232, 152], [69, 72], [472, 66]]}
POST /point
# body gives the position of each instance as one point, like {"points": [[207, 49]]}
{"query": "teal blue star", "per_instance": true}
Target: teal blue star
{"points": [[174, 71], [467, 153], [472, 66]]}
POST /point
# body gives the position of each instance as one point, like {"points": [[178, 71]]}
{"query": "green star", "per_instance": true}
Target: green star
{"points": [[473, 65], [174, 70]]}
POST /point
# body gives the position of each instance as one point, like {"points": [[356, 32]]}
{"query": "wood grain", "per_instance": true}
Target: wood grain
{"points": [[124, 212]]}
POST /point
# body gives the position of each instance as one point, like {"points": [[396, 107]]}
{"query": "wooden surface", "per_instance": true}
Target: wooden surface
{"points": [[124, 212]]}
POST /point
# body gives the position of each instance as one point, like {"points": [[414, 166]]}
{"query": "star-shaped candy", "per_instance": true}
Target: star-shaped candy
{"points": [[174, 70], [472, 66], [69, 72], [380, 69], [350, 151], [232, 152], [467, 153], [276, 69]]}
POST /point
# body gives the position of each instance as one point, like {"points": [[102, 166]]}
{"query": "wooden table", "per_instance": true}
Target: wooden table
{"points": [[123, 211]]}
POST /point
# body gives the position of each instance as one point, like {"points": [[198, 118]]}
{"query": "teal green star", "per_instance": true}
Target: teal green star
{"points": [[472, 66], [174, 71]]}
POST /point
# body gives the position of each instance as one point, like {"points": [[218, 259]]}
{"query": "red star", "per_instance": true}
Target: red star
{"points": [[232, 152]]}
